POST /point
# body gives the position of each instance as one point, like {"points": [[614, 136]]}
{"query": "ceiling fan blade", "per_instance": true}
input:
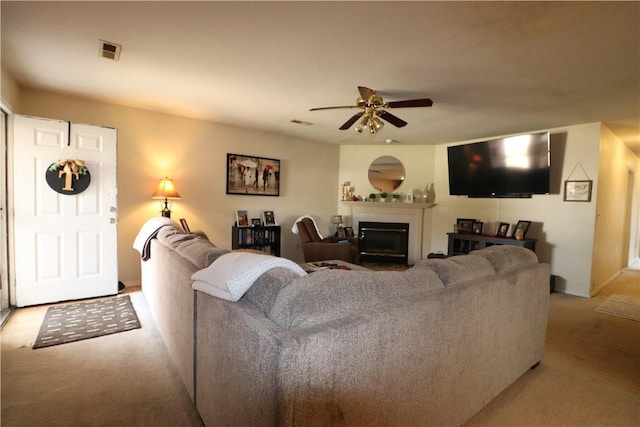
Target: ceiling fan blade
{"points": [[333, 108], [366, 93], [394, 120], [351, 121], [410, 103]]}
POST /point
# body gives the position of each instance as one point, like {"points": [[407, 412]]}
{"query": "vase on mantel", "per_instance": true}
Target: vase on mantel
{"points": [[430, 193]]}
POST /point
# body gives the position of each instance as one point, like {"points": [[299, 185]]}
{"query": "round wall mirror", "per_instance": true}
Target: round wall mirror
{"points": [[386, 173]]}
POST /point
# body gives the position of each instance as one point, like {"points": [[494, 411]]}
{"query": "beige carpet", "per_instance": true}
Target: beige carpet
{"points": [[590, 374]]}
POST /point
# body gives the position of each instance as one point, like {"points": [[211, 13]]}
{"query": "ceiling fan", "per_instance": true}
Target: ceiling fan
{"points": [[374, 108]]}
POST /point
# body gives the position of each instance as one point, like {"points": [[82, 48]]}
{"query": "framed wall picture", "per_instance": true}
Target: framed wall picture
{"points": [[577, 191], [465, 225], [242, 219], [268, 218], [503, 228], [253, 176]]}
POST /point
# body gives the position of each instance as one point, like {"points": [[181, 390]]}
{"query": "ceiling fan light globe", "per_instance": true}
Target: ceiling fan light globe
{"points": [[377, 124]]}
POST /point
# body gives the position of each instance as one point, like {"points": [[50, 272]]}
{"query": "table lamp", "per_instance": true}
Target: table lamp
{"points": [[166, 191]]}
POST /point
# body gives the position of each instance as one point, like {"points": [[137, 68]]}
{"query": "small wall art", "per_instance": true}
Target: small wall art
{"points": [[577, 191], [253, 176]]}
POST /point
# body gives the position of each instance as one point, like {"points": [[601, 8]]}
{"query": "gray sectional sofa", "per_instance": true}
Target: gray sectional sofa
{"points": [[428, 346]]}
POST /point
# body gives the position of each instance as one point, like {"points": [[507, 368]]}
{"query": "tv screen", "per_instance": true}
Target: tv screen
{"points": [[517, 166]]}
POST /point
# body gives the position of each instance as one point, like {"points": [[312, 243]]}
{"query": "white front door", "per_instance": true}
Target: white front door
{"points": [[65, 244]]}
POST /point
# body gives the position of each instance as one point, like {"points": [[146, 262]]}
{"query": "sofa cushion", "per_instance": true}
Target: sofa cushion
{"points": [[334, 294], [193, 247], [505, 258], [458, 268], [265, 289]]}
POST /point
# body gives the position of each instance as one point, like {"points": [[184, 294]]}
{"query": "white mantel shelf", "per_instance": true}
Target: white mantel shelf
{"points": [[388, 205]]}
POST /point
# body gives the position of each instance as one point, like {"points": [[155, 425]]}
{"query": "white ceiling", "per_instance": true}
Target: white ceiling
{"points": [[491, 69]]}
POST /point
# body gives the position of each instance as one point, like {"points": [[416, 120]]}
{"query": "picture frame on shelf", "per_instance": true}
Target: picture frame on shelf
{"points": [[577, 191], [268, 218], [477, 227], [252, 175], [465, 225], [503, 229], [256, 222], [348, 232], [185, 226], [521, 229], [242, 219]]}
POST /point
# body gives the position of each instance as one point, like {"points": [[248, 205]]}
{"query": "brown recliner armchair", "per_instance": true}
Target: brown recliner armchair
{"points": [[316, 249]]}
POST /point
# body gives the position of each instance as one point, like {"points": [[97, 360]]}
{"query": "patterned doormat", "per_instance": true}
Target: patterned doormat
{"points": [[83, 320], [621, 306]]}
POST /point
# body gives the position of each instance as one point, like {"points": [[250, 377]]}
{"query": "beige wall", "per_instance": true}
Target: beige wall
{"points": [[564, 229], [193, 153], [616, 234]]}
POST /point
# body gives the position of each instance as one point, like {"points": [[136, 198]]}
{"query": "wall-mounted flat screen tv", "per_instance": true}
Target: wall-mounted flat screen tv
{"points": [[516, 166]]}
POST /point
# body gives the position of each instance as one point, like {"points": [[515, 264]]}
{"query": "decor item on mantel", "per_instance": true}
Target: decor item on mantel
{"points": [[346, 191]]}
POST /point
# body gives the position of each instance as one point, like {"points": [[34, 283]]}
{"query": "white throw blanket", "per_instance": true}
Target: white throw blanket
{"points": [[232, 274], [149, 231], [294, 229]]}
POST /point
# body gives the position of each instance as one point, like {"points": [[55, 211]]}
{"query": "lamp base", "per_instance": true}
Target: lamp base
{"points": [[166, 212]]}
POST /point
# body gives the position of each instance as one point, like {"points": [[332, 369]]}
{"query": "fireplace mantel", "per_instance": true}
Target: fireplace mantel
{"points": [[389, 205]]}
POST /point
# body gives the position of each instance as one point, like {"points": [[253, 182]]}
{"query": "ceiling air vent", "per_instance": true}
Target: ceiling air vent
{"points": [[110, 50]]}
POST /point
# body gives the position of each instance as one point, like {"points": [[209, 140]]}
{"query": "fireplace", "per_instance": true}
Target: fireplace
{"points": [[385, 242]]}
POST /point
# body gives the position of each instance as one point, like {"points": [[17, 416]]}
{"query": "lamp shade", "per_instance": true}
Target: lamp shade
{"points": [[166, 190], [336, 219]]}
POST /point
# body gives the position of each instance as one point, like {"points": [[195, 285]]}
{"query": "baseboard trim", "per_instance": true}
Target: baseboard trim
{"points": [[132, 283]]}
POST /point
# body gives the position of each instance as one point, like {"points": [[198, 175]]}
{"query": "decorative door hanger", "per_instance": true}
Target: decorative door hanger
{"points": [[69, 176]]}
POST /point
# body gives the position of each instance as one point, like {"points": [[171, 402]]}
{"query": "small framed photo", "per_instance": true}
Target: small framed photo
{"points": [[252, 175], [465, 225], [269, 218], [348, 232], [185, 226], [503, 228], [577, 191], [477, 227], [242, 219], [521, 229], [256, 222]]}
